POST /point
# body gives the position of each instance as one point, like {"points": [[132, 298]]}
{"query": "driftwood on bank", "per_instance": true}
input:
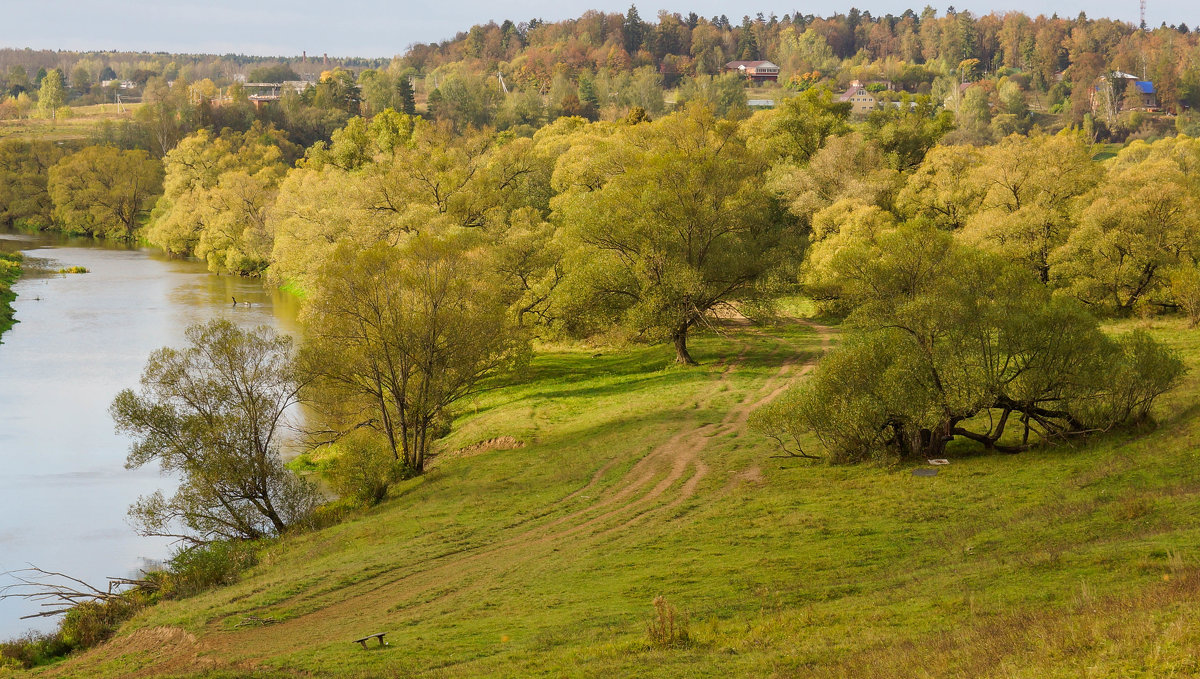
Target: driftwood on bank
{"points": [[60, 592]]}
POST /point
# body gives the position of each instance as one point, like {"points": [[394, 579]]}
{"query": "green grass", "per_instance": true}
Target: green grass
{"points": [[81, 124], [10, 270], [1071, 561]]}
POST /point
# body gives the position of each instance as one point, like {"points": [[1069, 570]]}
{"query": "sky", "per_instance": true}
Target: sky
{"points": [[379, 28]]}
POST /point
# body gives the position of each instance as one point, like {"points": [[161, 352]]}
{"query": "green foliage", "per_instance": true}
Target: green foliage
{"points": [[724, 95], [24, 178], [212, 414], [799, 126], [397, 335], [364, 468], [105, 192], [31, 650], [52, 94], [1030, 188], [906, 133], [92, 622], [10, 270], [218, 191], [200, 568], [275, 73], [949, 341], [1185, 290], [846, 167], [1142, 221], [669, 220]]}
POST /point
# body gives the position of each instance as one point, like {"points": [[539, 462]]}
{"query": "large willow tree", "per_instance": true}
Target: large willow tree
{"points": [[947, 341], [671, 219], [396, 335]]}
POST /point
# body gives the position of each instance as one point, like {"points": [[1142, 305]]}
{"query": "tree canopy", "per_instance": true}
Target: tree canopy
{"points": [[212, 413]]}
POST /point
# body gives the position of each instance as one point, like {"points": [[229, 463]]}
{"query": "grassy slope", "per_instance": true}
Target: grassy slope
{"points": [[81, 124], [542, 561]]}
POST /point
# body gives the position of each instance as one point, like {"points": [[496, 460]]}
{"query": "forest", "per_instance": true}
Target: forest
{"points": [[991, 242]]}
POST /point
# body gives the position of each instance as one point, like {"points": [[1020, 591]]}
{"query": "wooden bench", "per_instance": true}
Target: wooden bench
{"points": [[363, 642]]}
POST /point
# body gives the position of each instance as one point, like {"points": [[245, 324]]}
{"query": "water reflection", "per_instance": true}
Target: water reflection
{"points": [[80, 339]]}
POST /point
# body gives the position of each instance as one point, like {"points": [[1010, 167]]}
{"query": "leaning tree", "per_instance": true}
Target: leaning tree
{"points": [[212, 413], [947, 341]]}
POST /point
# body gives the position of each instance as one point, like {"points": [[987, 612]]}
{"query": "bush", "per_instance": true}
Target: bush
{"points": [[366, 468], [92, 622], [195, 570], [668, 627], [31, 650]]}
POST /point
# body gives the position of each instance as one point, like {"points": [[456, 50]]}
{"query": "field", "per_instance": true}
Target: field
{"points": [[80, 125], [638, 479]]}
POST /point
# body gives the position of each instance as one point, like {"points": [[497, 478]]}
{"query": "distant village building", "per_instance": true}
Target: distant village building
{"points": [[756, 71], [262, 93], [1109, 94], [861, 100]]}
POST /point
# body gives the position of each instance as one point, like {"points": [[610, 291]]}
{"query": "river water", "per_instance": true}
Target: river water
{"points": [[80, 339]]}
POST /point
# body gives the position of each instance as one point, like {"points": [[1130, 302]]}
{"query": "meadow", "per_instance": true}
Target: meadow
{"points": [[634, 479], [80, 125]]}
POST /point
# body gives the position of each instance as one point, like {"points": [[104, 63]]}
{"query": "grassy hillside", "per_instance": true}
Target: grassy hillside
{"points": [[80, 125], [639, 480]]}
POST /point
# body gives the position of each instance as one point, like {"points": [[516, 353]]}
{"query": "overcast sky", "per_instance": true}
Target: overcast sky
{"points": [[374, 28]]}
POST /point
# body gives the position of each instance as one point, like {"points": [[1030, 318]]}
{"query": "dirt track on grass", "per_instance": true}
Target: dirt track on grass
{"points": [[655, 487]]}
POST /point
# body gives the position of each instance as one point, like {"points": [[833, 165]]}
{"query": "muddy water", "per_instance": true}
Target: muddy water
{"points": [[80, 339]]}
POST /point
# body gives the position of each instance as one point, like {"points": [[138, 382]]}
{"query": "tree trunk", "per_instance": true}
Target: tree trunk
{"points": [[679, 337]]}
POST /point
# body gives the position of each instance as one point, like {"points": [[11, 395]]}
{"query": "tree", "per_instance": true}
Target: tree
{"points": [[725, 94], [798, 128], [948, 341], [671, 220], [940, 192], [906, 133], [847, 166], [405, 99], [1143, 221], [212, 413], [52, 95], [1030, 187], [217, 191], [103, 191], [164, 112], [24, 178], [396, 336]]}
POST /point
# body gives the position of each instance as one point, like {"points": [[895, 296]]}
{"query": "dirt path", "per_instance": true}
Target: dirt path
{"points": [[654, 486]]}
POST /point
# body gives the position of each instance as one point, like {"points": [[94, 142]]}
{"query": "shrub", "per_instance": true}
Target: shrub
{"points": [[92, 622], [366, 468], [31, 650], [668, 627], [194, 570]]}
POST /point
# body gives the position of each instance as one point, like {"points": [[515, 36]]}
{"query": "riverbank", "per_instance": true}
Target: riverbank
{"points": [[641, 504], [10, 270]]}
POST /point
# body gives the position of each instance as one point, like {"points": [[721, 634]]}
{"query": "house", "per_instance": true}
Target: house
{"points": [[861, 100], [756, 71], [1108, 94]]}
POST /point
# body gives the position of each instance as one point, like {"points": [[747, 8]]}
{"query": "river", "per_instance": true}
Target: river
{"points": [[80, 339]]}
